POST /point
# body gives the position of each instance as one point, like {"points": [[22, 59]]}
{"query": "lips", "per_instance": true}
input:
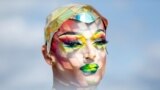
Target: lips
{"points": [[89, 69]]}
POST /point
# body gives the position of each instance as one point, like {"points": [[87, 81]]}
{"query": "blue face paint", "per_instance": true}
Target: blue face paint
{"points": [[86, 17]]}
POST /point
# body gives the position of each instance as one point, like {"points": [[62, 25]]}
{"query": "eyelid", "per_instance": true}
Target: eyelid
{"points": [[64, 36], [69, 33], [101, 39], [73, 38], [98, 35]]}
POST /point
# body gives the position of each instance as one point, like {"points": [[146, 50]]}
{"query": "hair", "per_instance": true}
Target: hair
{"points": [[60, 15]]}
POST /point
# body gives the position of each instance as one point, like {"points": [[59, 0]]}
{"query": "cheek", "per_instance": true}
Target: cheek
{"points": [[57, 49], [67, 60], [102, 63], [59, 56], [73, 61], [54, 46], [76, 59], [102, 55]]}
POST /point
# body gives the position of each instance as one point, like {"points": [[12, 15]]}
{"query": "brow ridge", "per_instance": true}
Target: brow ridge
{"points": [[75, 33]]}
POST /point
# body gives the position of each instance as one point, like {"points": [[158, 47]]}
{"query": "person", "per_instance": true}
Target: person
{"points": [[75, 47]]}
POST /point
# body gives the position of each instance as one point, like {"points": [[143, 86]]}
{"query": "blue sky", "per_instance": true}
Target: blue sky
{"points": [[134, 44]]}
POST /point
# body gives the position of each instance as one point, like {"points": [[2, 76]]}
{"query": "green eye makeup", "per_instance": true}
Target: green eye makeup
{"points": [[69, 46], [72, 44], [100, 43]]}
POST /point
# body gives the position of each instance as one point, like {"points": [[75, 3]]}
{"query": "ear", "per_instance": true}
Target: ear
{"points": [[105, 22], [50, 59]]}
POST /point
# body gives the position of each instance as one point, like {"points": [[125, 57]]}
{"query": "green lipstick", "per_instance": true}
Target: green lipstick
{"points": [[89, 69]]}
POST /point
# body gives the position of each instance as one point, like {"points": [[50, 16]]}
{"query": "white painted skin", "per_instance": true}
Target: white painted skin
{"points": [[66, 66]]}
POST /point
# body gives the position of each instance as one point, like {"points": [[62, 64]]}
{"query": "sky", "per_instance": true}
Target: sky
{"points": [[133, 33]]}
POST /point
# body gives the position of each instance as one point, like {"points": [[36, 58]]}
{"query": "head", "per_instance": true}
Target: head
{"points": [[76, 45]]}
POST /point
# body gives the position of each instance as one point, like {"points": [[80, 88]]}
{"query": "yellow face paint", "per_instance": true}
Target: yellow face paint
{"points": [[70, 43], [98, 34], [99, 40]]}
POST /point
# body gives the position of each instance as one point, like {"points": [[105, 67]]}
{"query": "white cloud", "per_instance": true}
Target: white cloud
{"points": [[19, 31], [153, 49], [16, 31], [22, 6], [21, 37], [121, 4]]}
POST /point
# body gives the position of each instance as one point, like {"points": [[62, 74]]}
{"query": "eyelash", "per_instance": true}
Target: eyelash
{"points": [[72, 44], [100, 42]]}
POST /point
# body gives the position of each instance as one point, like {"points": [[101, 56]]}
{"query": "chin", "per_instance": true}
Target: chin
{"points": [[92, 80], [95, 78]]}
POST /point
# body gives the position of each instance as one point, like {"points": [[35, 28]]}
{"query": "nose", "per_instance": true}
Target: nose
{"points": [[89, 58], [90, 54]]}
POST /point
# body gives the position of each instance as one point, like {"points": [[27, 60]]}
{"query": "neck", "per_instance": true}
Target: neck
{"points": [[61, 85]]}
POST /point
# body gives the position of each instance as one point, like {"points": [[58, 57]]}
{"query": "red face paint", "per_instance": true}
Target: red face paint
{"points": [[101, 36], [54, 45], [69, 25], [68, 38]]}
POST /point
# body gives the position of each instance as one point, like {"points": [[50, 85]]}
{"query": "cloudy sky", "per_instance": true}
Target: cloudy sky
{"points": [[134, 44]]}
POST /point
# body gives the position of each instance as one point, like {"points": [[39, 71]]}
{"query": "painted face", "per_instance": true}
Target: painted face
{"points": [[80, 52]]}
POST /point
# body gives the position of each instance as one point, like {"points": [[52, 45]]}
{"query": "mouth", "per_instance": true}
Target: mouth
{"points": [[89, 69]]}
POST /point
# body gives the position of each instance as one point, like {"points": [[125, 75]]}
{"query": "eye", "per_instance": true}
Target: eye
{"points": [[100, 41], [72, 44]]}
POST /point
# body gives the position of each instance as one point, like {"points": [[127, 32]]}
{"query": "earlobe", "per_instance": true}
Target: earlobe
{"points": [[50, 59]]}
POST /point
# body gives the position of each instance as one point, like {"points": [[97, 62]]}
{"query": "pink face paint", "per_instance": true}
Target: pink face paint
{"points": [[67, 38], [55, 48], [69, 25]]}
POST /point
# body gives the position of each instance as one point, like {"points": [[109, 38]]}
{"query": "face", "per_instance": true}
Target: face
{"points": [[80, 52]]}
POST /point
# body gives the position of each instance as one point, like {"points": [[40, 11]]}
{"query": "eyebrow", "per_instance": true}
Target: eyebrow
{"points": [[69, 33], [100, 30]]}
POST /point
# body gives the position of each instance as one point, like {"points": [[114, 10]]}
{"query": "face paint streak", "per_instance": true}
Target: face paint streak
{"points": [[54, 46], [98, 35], [82, 38], [66, 38], [68, 25]]}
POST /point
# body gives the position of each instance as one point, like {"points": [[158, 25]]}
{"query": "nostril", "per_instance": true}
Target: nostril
{"points": [[89, 58]]}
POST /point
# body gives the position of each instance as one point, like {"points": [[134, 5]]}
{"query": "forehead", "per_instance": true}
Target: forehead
{"points": [[81, 27]]}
